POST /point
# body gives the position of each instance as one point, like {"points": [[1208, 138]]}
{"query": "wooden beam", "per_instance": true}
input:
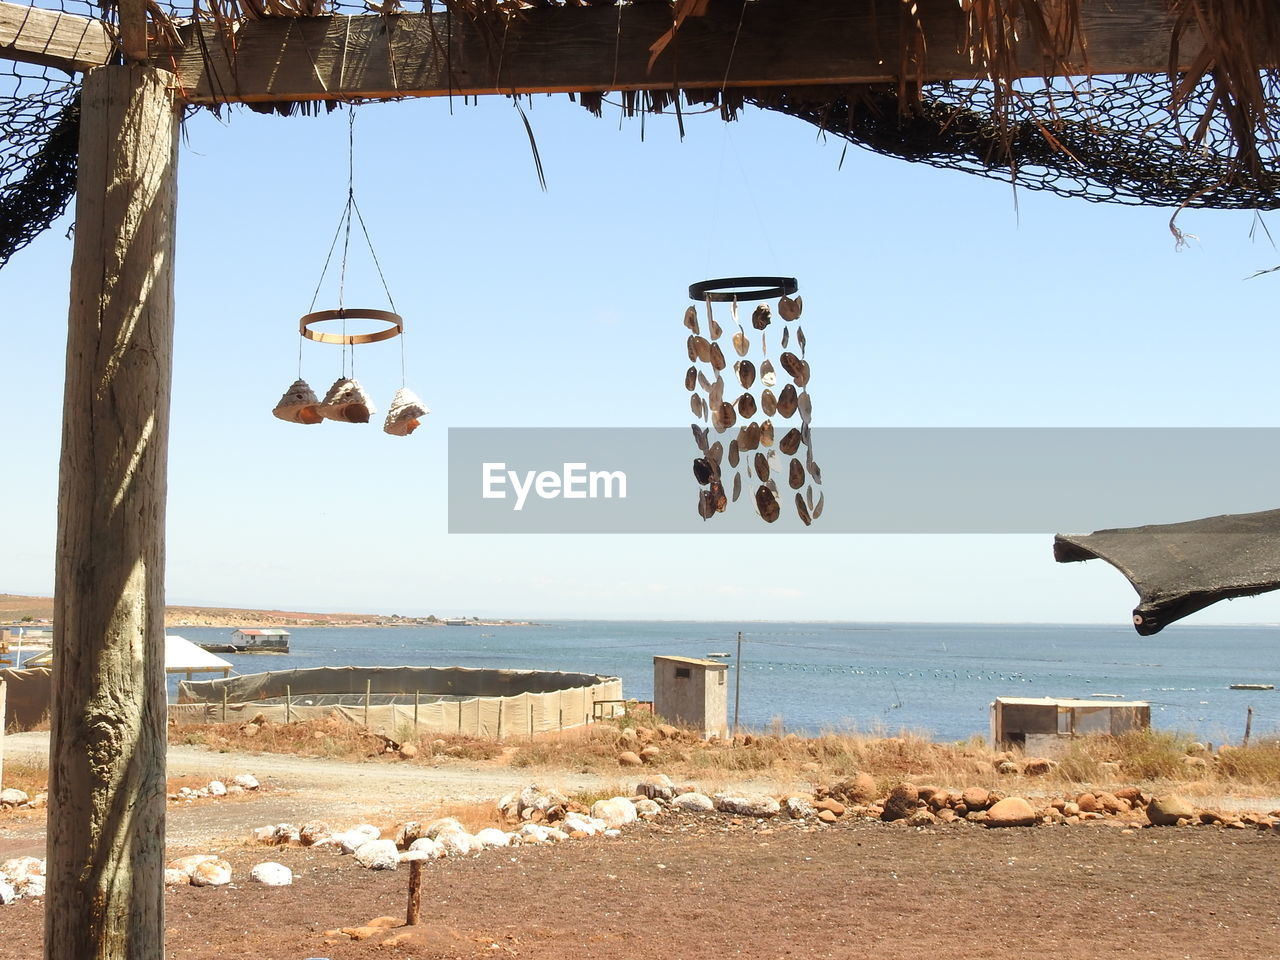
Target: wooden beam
{"points": [[52, 39], [107, 762], [768, 43]]}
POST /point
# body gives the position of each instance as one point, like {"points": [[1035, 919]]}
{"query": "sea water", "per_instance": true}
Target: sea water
{"points": [[935, 679]]}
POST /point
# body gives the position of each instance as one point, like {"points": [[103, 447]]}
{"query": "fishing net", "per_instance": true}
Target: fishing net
{"points": [[1208, 139]]}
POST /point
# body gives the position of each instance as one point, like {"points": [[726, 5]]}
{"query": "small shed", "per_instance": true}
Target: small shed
{"points": [[690, 691], [1040, 723]]}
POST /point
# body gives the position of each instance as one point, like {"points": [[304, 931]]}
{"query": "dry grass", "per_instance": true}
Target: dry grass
{"points": [[31, 777]]}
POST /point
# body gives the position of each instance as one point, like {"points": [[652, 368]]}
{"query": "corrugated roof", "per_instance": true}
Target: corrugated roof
{"points": [[1070, 702], [695, 661]]}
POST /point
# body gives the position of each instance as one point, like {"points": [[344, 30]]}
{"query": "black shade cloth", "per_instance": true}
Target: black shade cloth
{"points": [[1179, 568]]}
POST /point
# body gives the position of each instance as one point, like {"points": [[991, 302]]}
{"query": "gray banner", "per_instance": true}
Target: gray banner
{"points": [[917, 480]]}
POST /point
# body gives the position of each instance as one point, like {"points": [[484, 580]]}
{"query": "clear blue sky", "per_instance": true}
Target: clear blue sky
{"points": [[932, 299]]}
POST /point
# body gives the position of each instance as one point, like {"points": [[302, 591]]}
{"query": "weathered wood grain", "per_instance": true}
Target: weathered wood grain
{"points": [[52, 39], [603, 48], [107, 764]]}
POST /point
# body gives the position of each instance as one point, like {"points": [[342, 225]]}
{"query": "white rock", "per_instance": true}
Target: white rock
{"points": [[555, 834], [264, 834], [436, 827], [491, 837], [427, 846], [234, 790], [211, 873], [187, 865], [455, 843], [693, 802], [758, 806], [535, 832], [7, 893], [12, 796], [285, 834], [615, 812], [648, 809], [798, 808], [355, 838], [19, 868], [271, 874], [613, 832], [174, 878], [217, 788], [581, 824], [378, 855], [33, 886], [246, 781]]}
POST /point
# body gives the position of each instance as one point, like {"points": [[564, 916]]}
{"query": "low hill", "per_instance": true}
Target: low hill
{"points": [[15, 607]]}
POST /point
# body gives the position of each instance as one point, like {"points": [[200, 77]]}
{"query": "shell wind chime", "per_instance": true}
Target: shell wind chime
{"points": [[741, 449], [347, 401]]}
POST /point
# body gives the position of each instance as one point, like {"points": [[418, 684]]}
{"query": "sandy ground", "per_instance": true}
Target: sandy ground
{"points": [[696, 887]]}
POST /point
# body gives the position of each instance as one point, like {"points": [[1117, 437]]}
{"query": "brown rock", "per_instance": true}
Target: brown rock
{"points": [[829, 804], [649, 754], [859, 788], [1036, 766], [1167, 811], [629, 759], [1110, 803], [408, 751], [939, 800], [947, 815], [976, 798], [1011, 812], [667, 732], [926, 792], [826, 816], [1135, 796], [1088, 803], [901, 802], [1071, 809], [1007, 768]]}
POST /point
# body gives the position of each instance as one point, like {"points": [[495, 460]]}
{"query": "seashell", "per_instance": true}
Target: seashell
{"points": [[405, 413], [716, 454], [706, 505], [746, 406], [802, 378], [790, 442], [768, 403], [699, 436], [814, 472], [733, 454], [747, 463], [703, 382], [691, 320], [746, 371], [298, 405], [790, 363], [803, 511], [817, 508], [805, 405], [795, 475], [723, 417], [718, 499], [775, 462], [749, 437], [703, 471], [737, 486], [786, 337], [695, 404], [741, 344], [767, 374], [790, 309], [762, 467], [691, 378], [347, 401], [761, 316], [716, 357], [808, 493], [699, 349], [800, 339], [766, 434], [787, 402], [714, 329], [767, 504], [715, 392]]}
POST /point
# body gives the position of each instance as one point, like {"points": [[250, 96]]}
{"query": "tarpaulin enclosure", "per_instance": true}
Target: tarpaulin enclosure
{"points": [[1179, 568], [463, 700], [28, 696]]}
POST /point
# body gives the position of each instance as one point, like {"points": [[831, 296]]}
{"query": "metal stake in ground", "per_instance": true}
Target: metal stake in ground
{"points": [[737, 683]]}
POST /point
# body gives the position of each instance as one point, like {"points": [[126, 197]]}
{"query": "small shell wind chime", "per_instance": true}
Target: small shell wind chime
{"points": [[346, 400], [740, 438]]}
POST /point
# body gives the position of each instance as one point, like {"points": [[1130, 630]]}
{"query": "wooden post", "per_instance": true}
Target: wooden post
{"points": [[414, 910], [1248, 727], [3, 721], [368, 693], [107, 758], [416, 697], [224, 703], [288, 703]]}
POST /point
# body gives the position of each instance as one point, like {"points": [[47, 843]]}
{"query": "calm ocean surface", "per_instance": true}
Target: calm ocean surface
{"points": [[933, 678]]}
